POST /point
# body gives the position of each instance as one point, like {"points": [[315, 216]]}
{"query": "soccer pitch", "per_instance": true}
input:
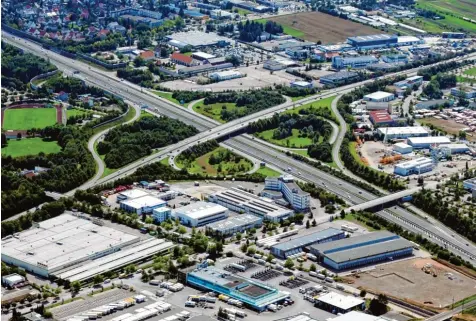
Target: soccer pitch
{"points": [[27, 118]]}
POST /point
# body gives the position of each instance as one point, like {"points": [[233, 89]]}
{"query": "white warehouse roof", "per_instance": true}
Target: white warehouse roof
{"points": [[428, 140], [341, 301], [378, 95], [203, 55], [402, 130], [415, 162], [133, 193], [144, 201], [401, 145], [359, 316], [200, 210]]}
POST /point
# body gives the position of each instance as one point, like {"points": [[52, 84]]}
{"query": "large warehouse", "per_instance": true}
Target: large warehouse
{"points": [[285, 249], [379, 96], [235, 224], [200, 213], [373, 41], [298, 199], [361, 250], [197, 39], [426, 142], [402, 132], [240, 201], [253, 294], [339, 304], [64, 242]]}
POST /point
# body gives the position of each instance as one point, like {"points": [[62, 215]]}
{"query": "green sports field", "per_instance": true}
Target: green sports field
{"points": [[29, 146], [23, 119]]}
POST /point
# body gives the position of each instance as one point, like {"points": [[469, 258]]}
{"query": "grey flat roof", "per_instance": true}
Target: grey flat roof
{"points": [[369, 250], [340, 75], [372, 38], [322, 248], [307, 239], [292, 186], [234, 222]]}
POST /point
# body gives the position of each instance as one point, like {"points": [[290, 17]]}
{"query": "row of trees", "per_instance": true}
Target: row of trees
{"points": [[251, 30], [442, 81], [127, 143], [141, 77], [194, 152]]}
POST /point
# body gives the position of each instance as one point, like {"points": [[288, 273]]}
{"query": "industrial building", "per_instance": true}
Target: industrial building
{"points": [[254, 295], [130, 194], [373, 41], [202, 56], [453, 35], [339, 304], [426, 142], [301, 84], [414, 166], [469, 184], [251, 6], [61, 242], [225, 75], [395, 58], [409, 82], [379, 96], [464, 92], [200, 213], [195, 70], [362, 250], [240, 223], [243, 202], [285, 249], [339, 62], [197, 39], [457, 148], [161, 214], [338, 78], [402, 132], [402, 148], [298, 199], [380, 117], [142, 205], [12, 280]]}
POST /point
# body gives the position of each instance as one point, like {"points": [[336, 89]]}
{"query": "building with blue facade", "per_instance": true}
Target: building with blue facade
{"points": [[373, 41], [464, 92], [469, 184], [339, 78], [240, 223], [362, 250], [285, 249], [254, 295], [161, 214], [395, 58], [353, 62], [200, 214], [415, 166], [298, 199]]}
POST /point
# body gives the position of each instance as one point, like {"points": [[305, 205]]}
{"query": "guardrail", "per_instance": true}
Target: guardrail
{"points": [[42, 76]]}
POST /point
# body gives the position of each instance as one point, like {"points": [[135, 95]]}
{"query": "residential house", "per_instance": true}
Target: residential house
{"points": [[147, 55], [103, 33], [182, 59]]}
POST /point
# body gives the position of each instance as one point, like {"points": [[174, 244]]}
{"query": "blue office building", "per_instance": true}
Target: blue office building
{"points": [[373, 41], [339, 78], [395, 58], [161, 214], [254, 295], [362, 250], [469, 184], [295, 246], [298, 199], [353, 62]]}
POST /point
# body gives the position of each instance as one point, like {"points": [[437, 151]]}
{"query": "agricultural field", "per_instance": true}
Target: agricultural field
{"points": [[213, 110], [315, 26], [27, 118], [30, 146], [293, 141], [230, 163], [449, 126], [464, 8]]}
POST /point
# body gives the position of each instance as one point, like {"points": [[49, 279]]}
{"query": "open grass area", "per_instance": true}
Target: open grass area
{"points": [[165, 161], [268, 172], [293, 141], [167, 96], [287, 29], [461, 8], [76, 112], [353, 151], [465, 79], [202, 165], [352, 218], [27, 118], [242, 11], [144, 114], [213, 110], [470, 72], [323, 103], [30, 146]]}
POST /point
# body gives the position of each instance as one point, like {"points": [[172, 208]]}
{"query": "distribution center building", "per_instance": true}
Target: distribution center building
{"points": [[295, 246], [402, 132], [298, 199], [373, 41], [415, 166], [142, 205], [200, 213], [362, 250], [379, 96], [255, 295], [426, 142], [235, 224], [130, 194], [243, 202]]}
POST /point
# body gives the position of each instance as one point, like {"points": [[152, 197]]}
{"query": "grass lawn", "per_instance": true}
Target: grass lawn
{"points": [[286, 29], [213, 110], [464, 301], [323, 103], [268, 172], [242, 11], [293, 141], [167, 96], [471, 72], [302, 152], [23, 119], [465, 79], [165, 161], [201, 165], [144, 114], [353, 151], [29, 146], [75, 112]]}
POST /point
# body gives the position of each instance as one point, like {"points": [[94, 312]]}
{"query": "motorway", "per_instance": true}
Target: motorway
{"points": [[438, 233], [449, 314]]}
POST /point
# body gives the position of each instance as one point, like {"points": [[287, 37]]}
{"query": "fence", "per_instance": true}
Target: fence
{"points": [[42, 76], [113, 119]]}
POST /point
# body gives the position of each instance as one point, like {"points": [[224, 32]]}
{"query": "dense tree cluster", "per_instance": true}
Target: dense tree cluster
{"points": [[322, 151], [194, 152], [429, 72], [224, 156], [18, 68], [143, 78], [127, 143], [323, 195], [110, 43], [442, 81], [188, 96], [251, 30], [295, 92]]}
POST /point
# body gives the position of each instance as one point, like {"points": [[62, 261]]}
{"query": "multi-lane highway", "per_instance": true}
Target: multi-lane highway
{"points": [[209, 130]]}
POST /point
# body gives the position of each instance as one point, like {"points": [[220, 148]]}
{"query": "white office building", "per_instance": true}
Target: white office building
{"points": [[200, 214], [142, 205], [402, 148], [130, 194], [161, 214], [379, 96], [415, 166], [298, 199], [243, 202], [402, 132]]}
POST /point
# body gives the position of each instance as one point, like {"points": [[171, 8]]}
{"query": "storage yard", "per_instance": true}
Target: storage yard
{"points": [[406, 279], [319, 26]]}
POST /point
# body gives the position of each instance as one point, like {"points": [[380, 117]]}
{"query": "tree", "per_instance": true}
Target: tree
{"points": [[19, 136], [172, 269], [289, 264], [98, 279], [75, 286], [314, 223], [342, 214], [139, 61], [182, 230], [4, 140], [243, 247], [378, 306], [462, 134], [420, 180], [363, 293], [238, 236], [251, 250], [312, 267], [308, 224], [269, 258]]}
